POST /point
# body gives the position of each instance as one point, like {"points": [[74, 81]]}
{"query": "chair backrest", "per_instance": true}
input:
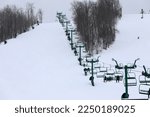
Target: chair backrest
{"points": [[110, 72], [131, 74]]}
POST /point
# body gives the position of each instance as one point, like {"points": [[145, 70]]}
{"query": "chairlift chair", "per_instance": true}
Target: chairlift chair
{"points": [[103, 69], [102, 72], [109, 75], [94, 71], [118, 76], [146, 72], [84, 63], [86, 66], [144, 89], [97, 67], [86, 70], [144, 80], [74, 47], [84, 50], [145, 77], [130, 65], [131, 79]]}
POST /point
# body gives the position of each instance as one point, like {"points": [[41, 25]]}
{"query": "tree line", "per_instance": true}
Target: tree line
{"points": [[96, 23], [14, 21]]}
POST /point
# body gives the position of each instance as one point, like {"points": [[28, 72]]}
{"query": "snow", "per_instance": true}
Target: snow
{"points": [[40, 64]]}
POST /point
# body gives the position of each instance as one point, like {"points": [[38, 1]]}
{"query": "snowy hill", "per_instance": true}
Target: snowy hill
{"points": [[127, 46], [39, 64]]}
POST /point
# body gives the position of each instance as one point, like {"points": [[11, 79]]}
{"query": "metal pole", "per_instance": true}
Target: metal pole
{"points": [[92, 68], [92, 77], [80, 47], [71, 39], [126, 95], [80, 55], [66, 28], [126, 80]]}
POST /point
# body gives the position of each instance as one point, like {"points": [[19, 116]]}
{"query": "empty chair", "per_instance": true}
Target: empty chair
{"points": [[144, 89], [143, 79], [131, 79], [102, 72]]}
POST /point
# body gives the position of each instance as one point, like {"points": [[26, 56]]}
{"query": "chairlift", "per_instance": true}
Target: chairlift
{"points": [[84, 63], [109, 75], [74, 45], [86, 70], [94, 71], [131, 75], [131, 79], [144, 89], [89, 59], [118, 76], [84, 50], [75, 49], [100, 74], [118, 66], [92, 61], [145, 77], [146, 72], [102, 71], [130, 65], [97, 67]]}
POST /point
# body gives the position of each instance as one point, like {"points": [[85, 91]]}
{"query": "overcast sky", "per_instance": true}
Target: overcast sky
{"points": [[50, 7]]}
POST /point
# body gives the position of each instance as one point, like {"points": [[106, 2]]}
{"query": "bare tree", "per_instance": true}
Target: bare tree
{"points": [[30, 13], [14, 21], [40, 15], [96, 22]]}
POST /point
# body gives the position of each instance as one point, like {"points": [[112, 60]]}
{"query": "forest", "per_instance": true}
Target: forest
{"points": [[14, 21]]}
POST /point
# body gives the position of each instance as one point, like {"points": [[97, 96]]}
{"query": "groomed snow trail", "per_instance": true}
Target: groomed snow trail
{"points": [[39, 64]]}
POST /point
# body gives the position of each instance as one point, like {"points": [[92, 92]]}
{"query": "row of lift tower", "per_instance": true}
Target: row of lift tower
{"points": [[94, 68]]}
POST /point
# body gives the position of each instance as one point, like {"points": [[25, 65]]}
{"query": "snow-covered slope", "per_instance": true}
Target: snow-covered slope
{"points": [[39, 64], [127, 46]]}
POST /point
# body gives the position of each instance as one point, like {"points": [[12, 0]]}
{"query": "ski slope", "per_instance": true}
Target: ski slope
{"points": [[40, 64], [127, 46]]}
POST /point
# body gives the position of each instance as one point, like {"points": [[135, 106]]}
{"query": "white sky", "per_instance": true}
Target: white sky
{"points": [[50, 7]]}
